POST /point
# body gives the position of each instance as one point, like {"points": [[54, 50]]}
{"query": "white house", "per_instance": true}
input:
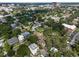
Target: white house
{"points": [[7, 9], [33, 48], [71, 27], [54, 49], [21, 38]]}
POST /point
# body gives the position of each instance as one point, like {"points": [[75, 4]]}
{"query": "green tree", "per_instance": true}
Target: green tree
{"points": [[16, 32], [23, 51], [11, 52], [48, 31], [33, 39], [9, 49], [1, 52]]}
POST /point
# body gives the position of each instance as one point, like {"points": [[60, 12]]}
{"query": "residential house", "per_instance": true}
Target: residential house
{"points": [[70, 28], [36, 24], [33, 48], [13, 25], [23, 36], [12, 41], [2, 20], [54, 49], [56, 19], [7, 9]]}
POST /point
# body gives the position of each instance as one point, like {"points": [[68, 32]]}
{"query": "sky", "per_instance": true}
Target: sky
{"points": [[23, 1]]}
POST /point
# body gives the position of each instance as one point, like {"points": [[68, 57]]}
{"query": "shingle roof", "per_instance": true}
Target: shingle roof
{"points": [[33, 46], [12, 41], [25, 34]]}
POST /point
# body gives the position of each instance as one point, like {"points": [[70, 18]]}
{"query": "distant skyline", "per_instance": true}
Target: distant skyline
{"points": [[36, 1]]}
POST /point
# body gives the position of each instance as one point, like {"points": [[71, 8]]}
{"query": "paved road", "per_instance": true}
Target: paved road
{"points": [[74, 38]]}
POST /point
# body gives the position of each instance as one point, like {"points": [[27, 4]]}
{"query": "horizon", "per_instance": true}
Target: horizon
{"points": [[39, 2]]}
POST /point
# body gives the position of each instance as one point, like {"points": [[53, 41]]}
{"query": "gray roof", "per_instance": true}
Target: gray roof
{"points": [[2, 20], [13, 25], [12, 41], [33, 46], [25, 34]]}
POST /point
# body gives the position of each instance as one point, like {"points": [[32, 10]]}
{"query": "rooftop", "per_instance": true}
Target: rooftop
{"points": [[12, 41], [33, 46], [25, 34], [69, 26]]}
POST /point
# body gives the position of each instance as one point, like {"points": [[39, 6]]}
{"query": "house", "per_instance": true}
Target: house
{"points": [[33, 48], [54, 49], [7, 9], [1, 43], [2, 20], [70, 28], [23, 36], [56, 19], [12, 41], [13, 25], [37, 24]]}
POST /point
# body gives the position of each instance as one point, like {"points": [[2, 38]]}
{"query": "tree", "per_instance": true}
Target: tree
{"points": [[9, 49], [68, 53], [10, 19], [4, 28], [40, 29], [50, 22], [16, 32], [76, 48], [1, 52], [48, 32], [54, 54], [11, 52], [33, 39], [23, 51]]}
